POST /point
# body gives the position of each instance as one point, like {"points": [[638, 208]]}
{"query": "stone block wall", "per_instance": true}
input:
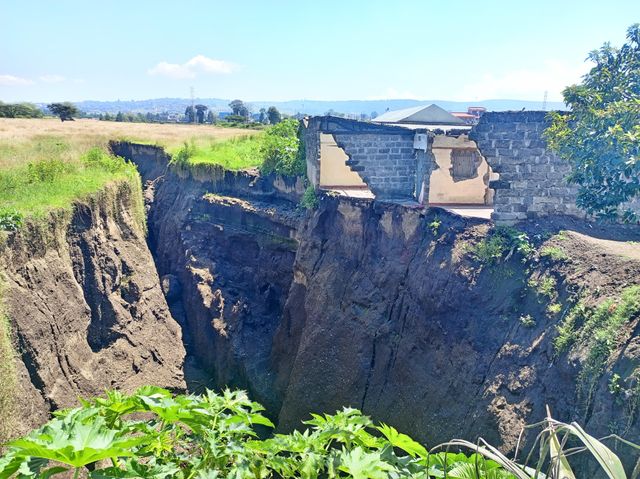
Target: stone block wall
{"points": [[382, 155], [532, 179]]}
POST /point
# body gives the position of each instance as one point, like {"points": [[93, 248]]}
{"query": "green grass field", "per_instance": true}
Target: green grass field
{"points": [[46, 165], [233, 154], [57, 175]]}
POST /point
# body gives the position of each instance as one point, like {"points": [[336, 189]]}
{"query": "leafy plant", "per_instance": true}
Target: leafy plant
{"points": [[310, 198], [615, 386], [544, 286], [279, 149], [434, 225], [555, 253], [184, 154], [154, 434], [527, 321], [554, 308], [600, 135], [47, 170], [501, 244], [10, 220], [98, 158]]}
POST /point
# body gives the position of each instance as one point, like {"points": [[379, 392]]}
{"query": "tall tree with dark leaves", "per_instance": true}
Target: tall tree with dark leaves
{"points": [[200, 110], [600, 135], [190, 114], [274, 115], [65, 111]]}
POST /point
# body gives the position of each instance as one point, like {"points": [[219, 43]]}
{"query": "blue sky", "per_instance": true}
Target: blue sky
{"points": [[282, 50]]}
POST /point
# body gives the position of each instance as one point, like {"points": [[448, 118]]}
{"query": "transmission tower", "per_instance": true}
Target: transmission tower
{"points": [[544, 101], [193, 109]]}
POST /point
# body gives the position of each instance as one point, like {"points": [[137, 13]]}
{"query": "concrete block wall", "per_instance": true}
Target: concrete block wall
{"points": [[382, 155], [386, 162], [532, 178]]}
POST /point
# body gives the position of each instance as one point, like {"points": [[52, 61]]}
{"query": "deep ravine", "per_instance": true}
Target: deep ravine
{"points": [[357, 303]]}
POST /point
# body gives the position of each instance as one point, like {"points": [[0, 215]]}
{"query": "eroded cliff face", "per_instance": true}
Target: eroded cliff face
{"points": [[231, 261], [391, 315], [85, 307], [381, 307]]}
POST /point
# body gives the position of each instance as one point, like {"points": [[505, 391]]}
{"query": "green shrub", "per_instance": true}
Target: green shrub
{"points": [[279, 149], [98, 158], [554, 308], [434, 225], [309, 198], [10, 220], [527, 321], [215, 435], [544, 286], [184, 154], [555, 253], [47, 170], [501, 243]]}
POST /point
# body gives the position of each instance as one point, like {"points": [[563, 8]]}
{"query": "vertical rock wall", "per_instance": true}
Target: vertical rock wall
{"points": [[85, 307]]}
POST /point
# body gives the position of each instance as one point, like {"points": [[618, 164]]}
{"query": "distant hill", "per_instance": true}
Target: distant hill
{"points": [[311, 107]]}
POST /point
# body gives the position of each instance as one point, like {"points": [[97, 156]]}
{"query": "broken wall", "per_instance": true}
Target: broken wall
{"points": [[447, 184], [383, 156], [532, 178]]}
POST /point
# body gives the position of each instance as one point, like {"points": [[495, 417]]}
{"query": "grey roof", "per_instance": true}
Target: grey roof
{"points": [[425, 115]]}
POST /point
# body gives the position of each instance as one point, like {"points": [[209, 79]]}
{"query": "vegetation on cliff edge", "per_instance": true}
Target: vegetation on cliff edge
{"points": [[276, 150], [55, 180]]}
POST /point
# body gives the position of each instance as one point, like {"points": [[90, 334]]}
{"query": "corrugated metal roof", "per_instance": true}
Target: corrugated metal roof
{"points": [[422, 126], [426, 115]]}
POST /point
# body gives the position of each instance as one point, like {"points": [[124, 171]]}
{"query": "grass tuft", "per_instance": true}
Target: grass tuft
{"points": [[555, 253]]}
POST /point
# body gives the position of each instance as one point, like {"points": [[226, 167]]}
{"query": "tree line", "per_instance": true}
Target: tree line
{"points": [[20, 110]]}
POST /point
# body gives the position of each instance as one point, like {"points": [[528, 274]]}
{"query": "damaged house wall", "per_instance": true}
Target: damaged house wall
{"points": [[383, 156], [532, 178]]}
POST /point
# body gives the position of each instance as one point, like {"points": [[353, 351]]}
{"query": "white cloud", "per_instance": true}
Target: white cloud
{"points": [[52, 78], [190, 69], [525, 84], [10, 80]]}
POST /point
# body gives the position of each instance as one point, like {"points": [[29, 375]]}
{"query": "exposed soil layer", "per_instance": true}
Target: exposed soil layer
{"points": [[357, 303], [231, 260], [371, 305], [86, 308]]}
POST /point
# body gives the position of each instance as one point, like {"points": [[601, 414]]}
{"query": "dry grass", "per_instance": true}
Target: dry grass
{"points": [[81, 135]]}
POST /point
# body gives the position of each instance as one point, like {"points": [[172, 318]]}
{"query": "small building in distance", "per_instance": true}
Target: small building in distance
{"points": [[471, 116]]}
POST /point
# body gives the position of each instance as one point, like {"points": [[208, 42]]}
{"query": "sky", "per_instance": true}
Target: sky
{"points": [[67, 50]]}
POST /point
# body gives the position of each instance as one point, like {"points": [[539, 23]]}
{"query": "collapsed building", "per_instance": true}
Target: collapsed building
{"points": [[426, 156]]}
